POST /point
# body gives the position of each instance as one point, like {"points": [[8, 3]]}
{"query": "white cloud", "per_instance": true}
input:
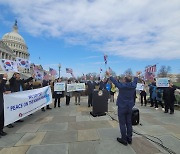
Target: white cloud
{"points": [[129, 28]]}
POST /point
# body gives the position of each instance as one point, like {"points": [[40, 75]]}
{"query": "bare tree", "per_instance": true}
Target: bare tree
{"points": [[164, 71]]}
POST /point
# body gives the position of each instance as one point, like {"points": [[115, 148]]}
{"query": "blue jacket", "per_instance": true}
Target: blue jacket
{"points": [[159, 94], [154, 93], [126, 93]]}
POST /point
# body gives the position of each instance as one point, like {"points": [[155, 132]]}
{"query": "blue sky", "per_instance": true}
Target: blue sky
{"points": [[133, 33]]}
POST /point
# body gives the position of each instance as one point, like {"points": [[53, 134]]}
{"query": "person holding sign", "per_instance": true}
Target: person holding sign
{"points": [[68, 94], [169, 98], [125, 103], [57, 94], [17, 84], [159, 92], [3, 80], [77, 95]]}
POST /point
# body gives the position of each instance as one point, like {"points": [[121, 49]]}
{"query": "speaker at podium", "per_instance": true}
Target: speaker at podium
{"points": [[100, 103]]}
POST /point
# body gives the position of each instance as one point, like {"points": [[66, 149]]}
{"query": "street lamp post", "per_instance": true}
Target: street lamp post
{"points": [[59, 66]]}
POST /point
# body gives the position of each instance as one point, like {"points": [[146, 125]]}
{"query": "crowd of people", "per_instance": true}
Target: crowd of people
{"points": [[158, 95], [125, 100]]}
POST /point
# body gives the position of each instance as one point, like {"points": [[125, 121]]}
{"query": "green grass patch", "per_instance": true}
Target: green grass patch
{"points": [[177, 84]]}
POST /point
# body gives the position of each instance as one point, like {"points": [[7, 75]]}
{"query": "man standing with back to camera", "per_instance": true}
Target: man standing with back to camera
{"points": [[125, 103]]}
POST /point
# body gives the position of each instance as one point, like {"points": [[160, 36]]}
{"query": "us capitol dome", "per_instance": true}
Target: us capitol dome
{"points": [[16, 43], [13, 45]]}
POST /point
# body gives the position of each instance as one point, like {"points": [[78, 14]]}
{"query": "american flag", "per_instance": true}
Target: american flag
{"points": [[151, 69], [52, 71], [69, 70], [105, 59], [149, 76]]}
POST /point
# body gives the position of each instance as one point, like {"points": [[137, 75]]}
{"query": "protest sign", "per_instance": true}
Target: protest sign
{"points": [[21, 104], [140, 86], [71, 87], [59, 86], [162, 82], [80, 86]]}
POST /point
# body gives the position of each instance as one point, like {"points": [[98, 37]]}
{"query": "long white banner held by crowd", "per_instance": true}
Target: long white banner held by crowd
{"points": [[21, 104]]}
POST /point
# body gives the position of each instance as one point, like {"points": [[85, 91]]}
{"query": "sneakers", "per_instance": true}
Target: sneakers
{"points": [[163, 109], [43, 110], [20, 121], [171, 112], [156, 108], [120, 140], [10, 126]]}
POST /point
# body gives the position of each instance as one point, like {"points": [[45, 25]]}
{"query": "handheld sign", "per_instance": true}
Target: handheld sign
{"points": [[80, 86], [162, 82], [71, 87], [76, 87], [59, 86], [140, 86]]}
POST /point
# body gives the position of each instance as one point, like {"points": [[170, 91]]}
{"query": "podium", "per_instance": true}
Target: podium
{"points": [[100, 103]]}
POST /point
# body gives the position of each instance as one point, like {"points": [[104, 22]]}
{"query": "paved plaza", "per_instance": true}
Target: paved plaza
{"points": [[72, 130]]}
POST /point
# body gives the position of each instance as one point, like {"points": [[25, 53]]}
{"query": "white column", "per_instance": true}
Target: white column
{"points": [[1, 54], [6, 56]]}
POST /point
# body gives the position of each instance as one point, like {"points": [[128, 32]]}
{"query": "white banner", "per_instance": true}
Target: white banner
{"points": [[21, 104], [162, 82], [140, 86], [76, 87], [59, 86]]}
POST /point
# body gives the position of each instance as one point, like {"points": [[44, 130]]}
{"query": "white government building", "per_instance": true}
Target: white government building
{"points": [[13, 45]]}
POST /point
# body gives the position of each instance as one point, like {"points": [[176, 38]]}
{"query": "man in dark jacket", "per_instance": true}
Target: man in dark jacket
{"points": [[3, 79], [125, 103], [102, 84], [169, 98], [91, 86], [17, 84]]}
